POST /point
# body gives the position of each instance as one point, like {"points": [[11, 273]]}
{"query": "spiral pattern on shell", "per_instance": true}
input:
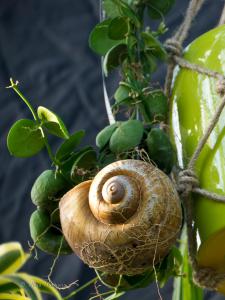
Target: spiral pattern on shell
{"points": [[124, 220]]}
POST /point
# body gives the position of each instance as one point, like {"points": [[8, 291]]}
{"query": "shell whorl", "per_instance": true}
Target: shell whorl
{"points": [[115, 194], [113, 190], [124, 220]]}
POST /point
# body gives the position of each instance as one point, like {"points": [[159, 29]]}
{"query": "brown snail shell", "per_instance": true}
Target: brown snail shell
{"points": [[123, 221]]}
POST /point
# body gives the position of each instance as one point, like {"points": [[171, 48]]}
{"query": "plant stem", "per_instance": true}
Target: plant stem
{"points": [[15, 88], [93, 280], [26, 101], [49, 150]]}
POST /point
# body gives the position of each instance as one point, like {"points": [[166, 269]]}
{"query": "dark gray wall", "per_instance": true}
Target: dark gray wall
{"points": [[43, 44]]}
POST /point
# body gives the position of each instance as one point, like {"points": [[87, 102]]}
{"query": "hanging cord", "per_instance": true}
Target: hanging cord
{"points": [[187, 179], [106, 97], [192, 11], [174, 44]]}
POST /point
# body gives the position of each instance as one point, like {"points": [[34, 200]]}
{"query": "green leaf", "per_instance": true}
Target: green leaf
{"points": [[153, 44], [69, 145], [170, 266], [105, 134], [45, 287], [114, 57], [138, 281], [85, 162], [111, 9], [157, 9], [99, 40], [184, 287], [105, 158], [122, 93], [149, 63], [156, 106], [12, 257], [126, 282], [127, 136], [67, 164], [52, 122], [177, 255], [127, 11], [118, 28], [160, 149], [25, 139], [23, 281]]}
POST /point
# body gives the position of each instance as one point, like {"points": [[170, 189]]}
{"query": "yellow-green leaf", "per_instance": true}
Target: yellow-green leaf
{"points": [[26, 283], [6, 296], [46, 287], [7, 287], [52, 122], [12, 257]]}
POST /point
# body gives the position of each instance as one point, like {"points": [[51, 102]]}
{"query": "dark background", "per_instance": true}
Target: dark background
{"points": [[43, 44]]}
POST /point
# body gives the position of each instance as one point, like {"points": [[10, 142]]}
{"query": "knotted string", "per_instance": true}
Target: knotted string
{"points": [[175, 43]]}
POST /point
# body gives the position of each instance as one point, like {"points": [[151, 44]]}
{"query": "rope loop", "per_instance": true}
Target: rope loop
{"points": [[207, 278], [173, 47], [187, 181], [220, 86]]}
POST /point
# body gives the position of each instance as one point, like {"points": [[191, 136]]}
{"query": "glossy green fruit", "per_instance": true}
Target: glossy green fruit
{"points": [[47, 188], [194, 102], [46, 237]]}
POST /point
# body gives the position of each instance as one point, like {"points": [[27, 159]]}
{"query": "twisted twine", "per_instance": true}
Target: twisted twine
{"points": [[187, 180], [174, 44]]}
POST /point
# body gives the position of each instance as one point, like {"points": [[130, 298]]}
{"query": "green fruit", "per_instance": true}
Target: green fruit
{"points": [[155, 107], [105, 134], [127, 136], [47, 188], [46, 237], [194, 102], [160, 149]]}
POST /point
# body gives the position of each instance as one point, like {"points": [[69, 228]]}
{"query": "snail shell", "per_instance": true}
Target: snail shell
{"points": [[123, 221]]}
